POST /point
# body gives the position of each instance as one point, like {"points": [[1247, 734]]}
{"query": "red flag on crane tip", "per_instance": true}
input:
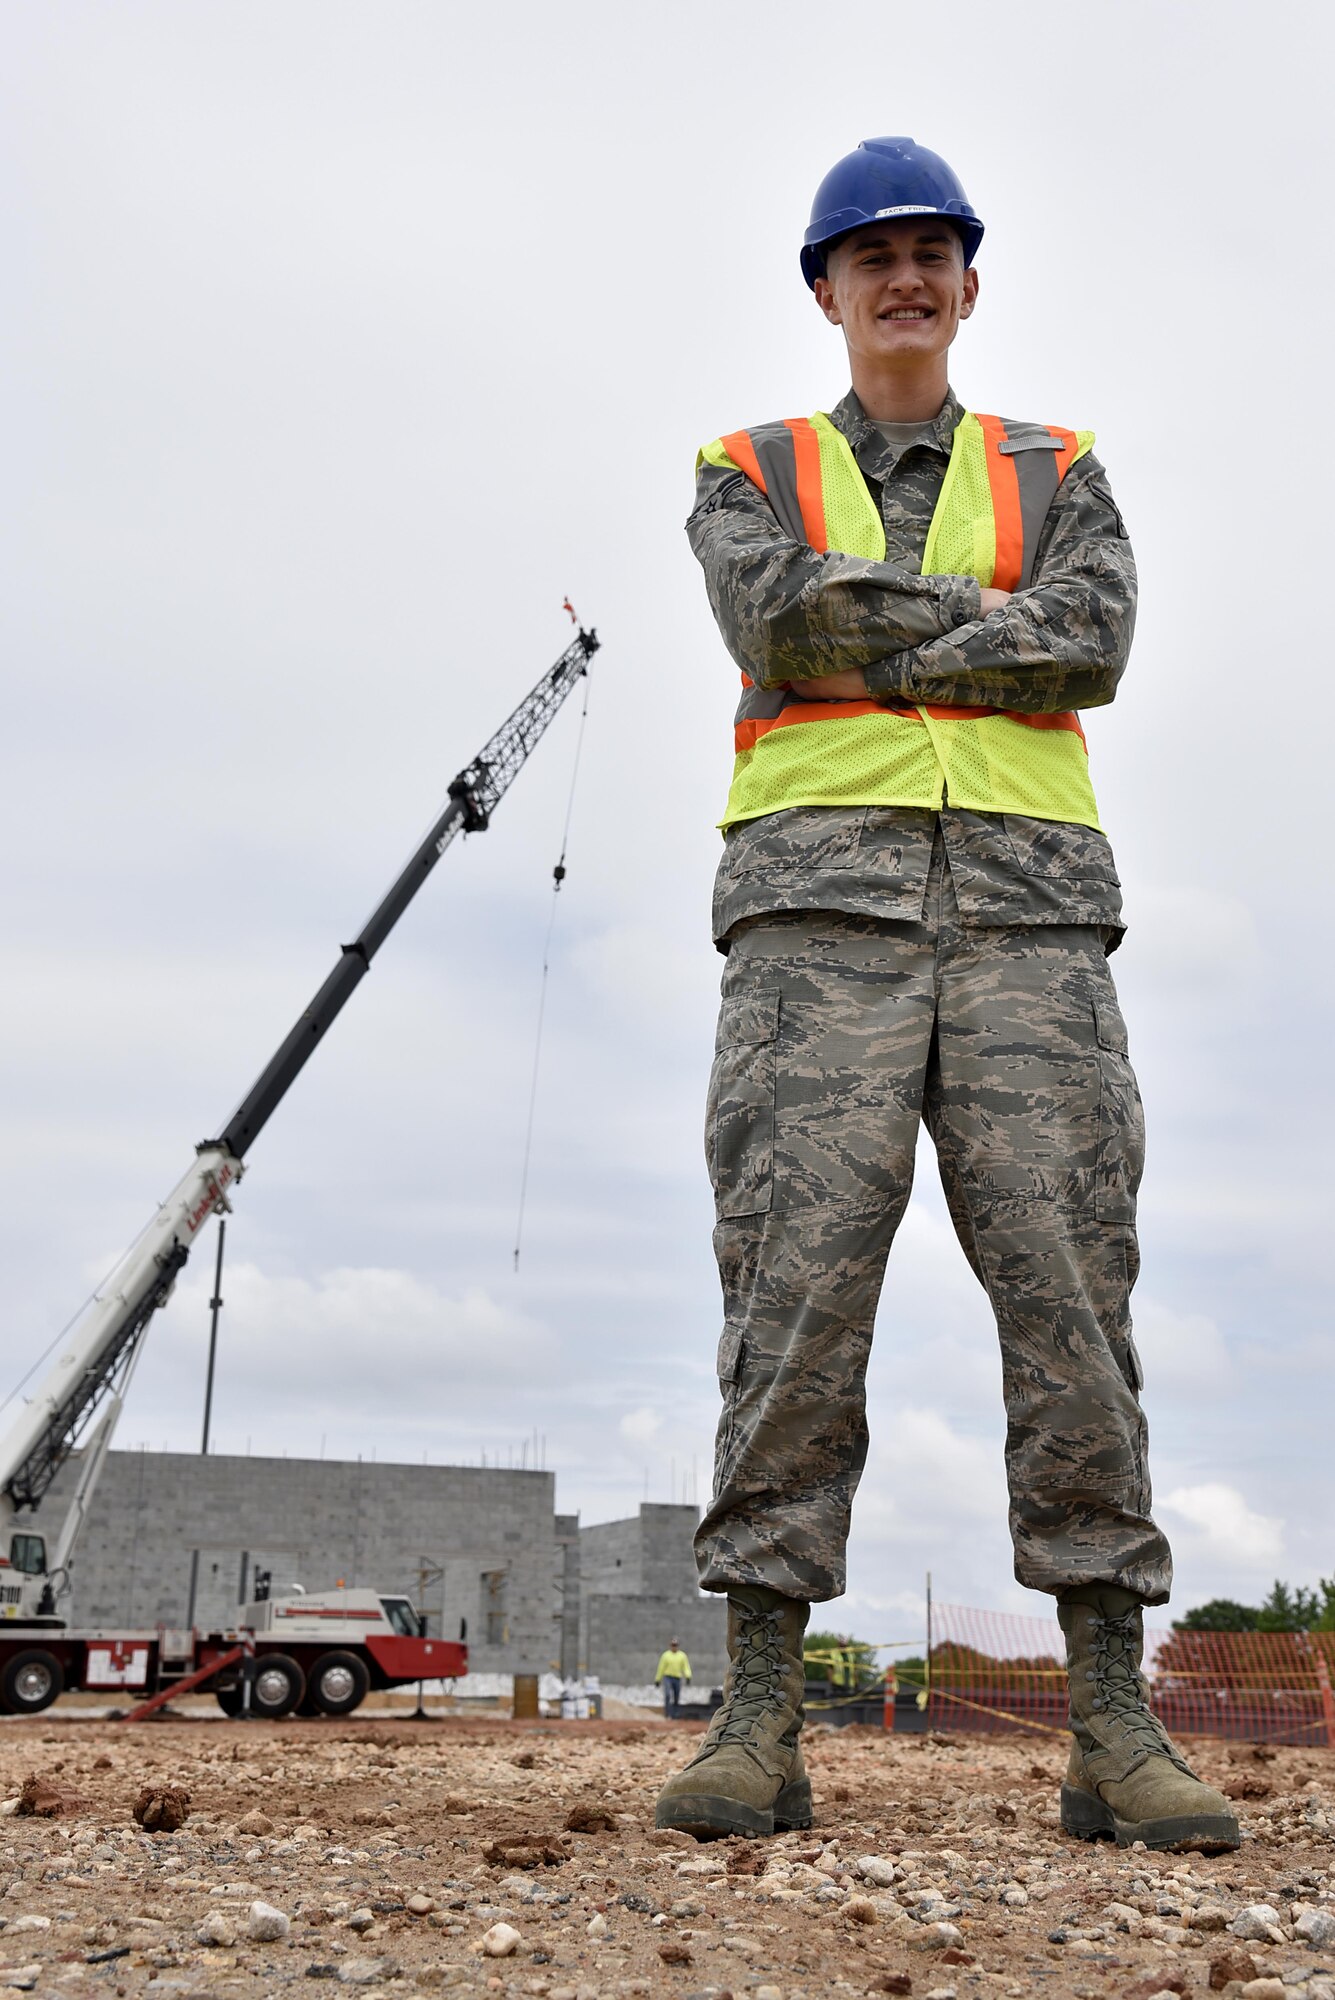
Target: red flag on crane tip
{"points": [[566, 605]]}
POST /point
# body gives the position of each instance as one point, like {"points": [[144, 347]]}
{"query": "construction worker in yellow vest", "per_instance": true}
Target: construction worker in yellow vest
{"points": [[917, 901], [673, 1668]]}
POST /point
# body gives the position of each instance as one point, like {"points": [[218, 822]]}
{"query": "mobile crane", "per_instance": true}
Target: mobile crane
{"points": [[321, 1650]]}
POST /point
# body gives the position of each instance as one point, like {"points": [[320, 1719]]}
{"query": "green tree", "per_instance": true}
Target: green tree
{"points": [[1288, 1608], [834, 1656], [1221, 1614]]}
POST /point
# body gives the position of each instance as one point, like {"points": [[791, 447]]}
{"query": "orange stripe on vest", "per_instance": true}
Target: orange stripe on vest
{"points": [[810, 490], [1004, 481], [742, 452]]}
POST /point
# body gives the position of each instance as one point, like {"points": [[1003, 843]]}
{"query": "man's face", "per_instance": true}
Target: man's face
{"points": [[898, 289]]}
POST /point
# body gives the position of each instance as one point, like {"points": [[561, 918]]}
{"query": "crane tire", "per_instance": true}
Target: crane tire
{"points": [[30, 1682], [278, 1686], [337, 1684], [229, 1699]]}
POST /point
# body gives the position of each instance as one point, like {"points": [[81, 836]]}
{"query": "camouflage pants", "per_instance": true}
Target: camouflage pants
{"points": [[836, 1034]]}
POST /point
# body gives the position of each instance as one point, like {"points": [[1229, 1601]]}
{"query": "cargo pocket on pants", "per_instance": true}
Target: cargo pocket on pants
{"points": [[740, 1122], [1121, 1154], [1132, 1369], [729, 1377]]}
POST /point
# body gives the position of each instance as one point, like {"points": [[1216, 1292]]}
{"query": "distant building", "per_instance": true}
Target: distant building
{"points": [[476, 1547], [638, 1586]]}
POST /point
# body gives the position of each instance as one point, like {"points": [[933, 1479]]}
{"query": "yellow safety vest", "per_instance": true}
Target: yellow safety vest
{"points": [[1000, 482]]}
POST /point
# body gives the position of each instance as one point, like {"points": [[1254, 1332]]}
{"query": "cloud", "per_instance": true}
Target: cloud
{"points": [[380, 1352], [905, 1609], [391, 1321], [627, 966], [1194, 937], [936, 1341], [932, 1498], [640, 1426], [1222, 1526], [1182, 1352], [937, 1475]]}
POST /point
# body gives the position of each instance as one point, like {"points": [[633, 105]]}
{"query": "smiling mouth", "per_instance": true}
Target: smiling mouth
{"points": [[909, 313]]}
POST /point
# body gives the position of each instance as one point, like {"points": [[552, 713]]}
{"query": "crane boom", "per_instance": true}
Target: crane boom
{"points": [[103, 1344], [473, 798]]}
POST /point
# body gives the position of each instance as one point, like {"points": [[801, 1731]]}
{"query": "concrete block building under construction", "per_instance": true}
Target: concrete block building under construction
{"points": [[477, 1548]]}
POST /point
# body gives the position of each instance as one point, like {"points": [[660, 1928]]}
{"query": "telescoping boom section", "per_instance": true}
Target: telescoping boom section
{"points": [[85, 1385]]}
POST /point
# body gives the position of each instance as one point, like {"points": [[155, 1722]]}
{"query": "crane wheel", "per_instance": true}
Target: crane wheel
{"points": [[278, 1686], [30, 1682], [337, 1684], [229, 1699]]}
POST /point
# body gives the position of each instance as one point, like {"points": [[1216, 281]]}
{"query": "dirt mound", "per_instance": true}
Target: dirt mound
{"points": [[526, 1850], [1248, 1788], [162, 1808], [743, 1859], [1231, 1965], [41, 1799], [590, 1816], [1163, 1980]]}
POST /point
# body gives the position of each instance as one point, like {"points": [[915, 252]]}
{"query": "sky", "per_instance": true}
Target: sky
{"points": [[339, 343]]}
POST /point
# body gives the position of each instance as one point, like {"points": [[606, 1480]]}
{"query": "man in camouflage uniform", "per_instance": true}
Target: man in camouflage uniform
{"points": [[886, 964]]}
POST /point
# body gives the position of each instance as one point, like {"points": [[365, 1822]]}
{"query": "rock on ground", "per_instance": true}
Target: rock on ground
{"points": [[162, 1808], [266, 1925]]}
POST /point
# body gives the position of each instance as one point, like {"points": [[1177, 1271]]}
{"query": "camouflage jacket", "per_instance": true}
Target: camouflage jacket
{"points": [[787, 612]]}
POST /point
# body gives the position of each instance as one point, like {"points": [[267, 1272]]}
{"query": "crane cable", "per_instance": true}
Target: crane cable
{"points": [[558, 877]]}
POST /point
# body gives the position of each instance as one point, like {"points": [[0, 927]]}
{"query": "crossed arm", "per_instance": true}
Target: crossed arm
{"points": [[839, 628], [851, 684]]}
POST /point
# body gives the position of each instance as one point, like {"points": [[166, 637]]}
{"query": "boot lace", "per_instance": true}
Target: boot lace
{"points": [[757, 1676], [1119, 1689]]}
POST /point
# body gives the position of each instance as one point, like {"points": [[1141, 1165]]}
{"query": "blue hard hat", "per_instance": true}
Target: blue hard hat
{"points": [[885, 178]]}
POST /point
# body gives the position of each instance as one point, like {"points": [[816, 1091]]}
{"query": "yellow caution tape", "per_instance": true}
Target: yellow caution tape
{"points": [[1045, 1728], [860, 1645]]}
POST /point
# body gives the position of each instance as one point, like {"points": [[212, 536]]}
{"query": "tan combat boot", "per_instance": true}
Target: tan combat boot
{"points": [[1126, 1781], [748, 1776]]}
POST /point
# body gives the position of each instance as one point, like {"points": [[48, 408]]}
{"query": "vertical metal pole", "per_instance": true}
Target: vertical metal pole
{"points": [[1323, 1682], [927, 1669], [194, 1586], [215, 1304], [419, 1714]]}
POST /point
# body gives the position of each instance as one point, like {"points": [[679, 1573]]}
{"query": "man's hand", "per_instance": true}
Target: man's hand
{"points": [[851, 686], [994, 600]]}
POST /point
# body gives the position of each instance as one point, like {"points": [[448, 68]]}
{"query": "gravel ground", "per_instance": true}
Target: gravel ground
{"points": [[485, 1857]]}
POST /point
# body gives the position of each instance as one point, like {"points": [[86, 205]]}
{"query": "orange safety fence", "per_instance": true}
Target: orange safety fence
{"points": [[991, 1671]]}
